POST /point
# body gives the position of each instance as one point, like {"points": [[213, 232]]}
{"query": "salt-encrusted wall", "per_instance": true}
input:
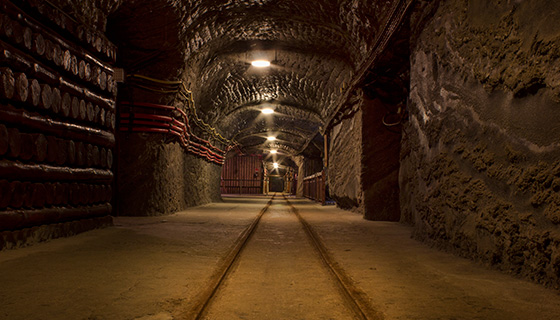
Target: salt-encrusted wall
{"points": [[480, 173], [345, 164]]}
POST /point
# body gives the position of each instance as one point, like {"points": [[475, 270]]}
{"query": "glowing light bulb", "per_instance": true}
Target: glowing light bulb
{"points": [[275, 165], [260, 63], [271, 138], [273, 151], [267, 111]]}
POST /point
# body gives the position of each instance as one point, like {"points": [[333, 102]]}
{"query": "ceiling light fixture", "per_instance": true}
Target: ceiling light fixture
{"points": [[273, 151], [260, 63], [275, 165], [267, 111], [271, 138]]}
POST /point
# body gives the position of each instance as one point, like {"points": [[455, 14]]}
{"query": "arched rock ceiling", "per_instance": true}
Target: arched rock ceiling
{"points": [[316, 48]]}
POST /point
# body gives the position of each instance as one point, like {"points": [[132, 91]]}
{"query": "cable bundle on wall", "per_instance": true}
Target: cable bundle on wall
{"points": [[156, 118], [176, 87]]}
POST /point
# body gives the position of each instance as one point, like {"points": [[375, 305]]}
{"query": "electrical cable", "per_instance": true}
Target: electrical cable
{"points": [[178, 86], [165, 124]]}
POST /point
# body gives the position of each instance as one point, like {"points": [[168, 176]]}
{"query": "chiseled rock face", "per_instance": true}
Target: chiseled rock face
{"points": [[158, 178], [345, 165], [480, 173]]}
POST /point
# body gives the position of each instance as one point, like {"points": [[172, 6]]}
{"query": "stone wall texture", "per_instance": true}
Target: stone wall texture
{"points": [[480, 174], [345, 166], [156, 177]]}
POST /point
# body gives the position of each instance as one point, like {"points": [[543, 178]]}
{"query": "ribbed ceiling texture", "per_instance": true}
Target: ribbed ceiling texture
{"points": [[318, 51]]}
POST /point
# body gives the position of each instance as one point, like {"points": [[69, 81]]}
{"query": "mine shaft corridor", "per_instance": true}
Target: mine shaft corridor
{"points": [[161, 267]]}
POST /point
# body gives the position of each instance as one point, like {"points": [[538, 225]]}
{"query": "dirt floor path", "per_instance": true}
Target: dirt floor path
{"points": [[279, 275], [153, 268]]}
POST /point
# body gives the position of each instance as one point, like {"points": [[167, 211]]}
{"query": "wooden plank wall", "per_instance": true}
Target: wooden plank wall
{"points": [[242, 175]]}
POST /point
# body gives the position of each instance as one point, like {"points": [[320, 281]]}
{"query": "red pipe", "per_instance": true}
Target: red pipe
{"points": [[206, 153], [175, 127]]}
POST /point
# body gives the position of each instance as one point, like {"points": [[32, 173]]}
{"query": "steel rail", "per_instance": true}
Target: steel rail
{"points": [[355, 298], [204, 299]]}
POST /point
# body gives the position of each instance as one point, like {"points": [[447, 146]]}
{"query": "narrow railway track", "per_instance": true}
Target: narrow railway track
{"points": [[354, 299]]}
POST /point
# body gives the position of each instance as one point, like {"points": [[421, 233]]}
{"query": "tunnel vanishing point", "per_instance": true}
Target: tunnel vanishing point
{"points": [[440, 115]]}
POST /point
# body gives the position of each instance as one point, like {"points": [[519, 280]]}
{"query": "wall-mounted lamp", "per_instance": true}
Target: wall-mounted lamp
{"points": [[275, 165]]}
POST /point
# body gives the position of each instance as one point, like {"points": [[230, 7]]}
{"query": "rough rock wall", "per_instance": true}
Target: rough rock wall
{"points": [[480, 173], [156, 177], [345, 166], [380, 160]]}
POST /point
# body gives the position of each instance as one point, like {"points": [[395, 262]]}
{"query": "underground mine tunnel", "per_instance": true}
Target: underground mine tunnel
{"points": [[435, 120]]}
